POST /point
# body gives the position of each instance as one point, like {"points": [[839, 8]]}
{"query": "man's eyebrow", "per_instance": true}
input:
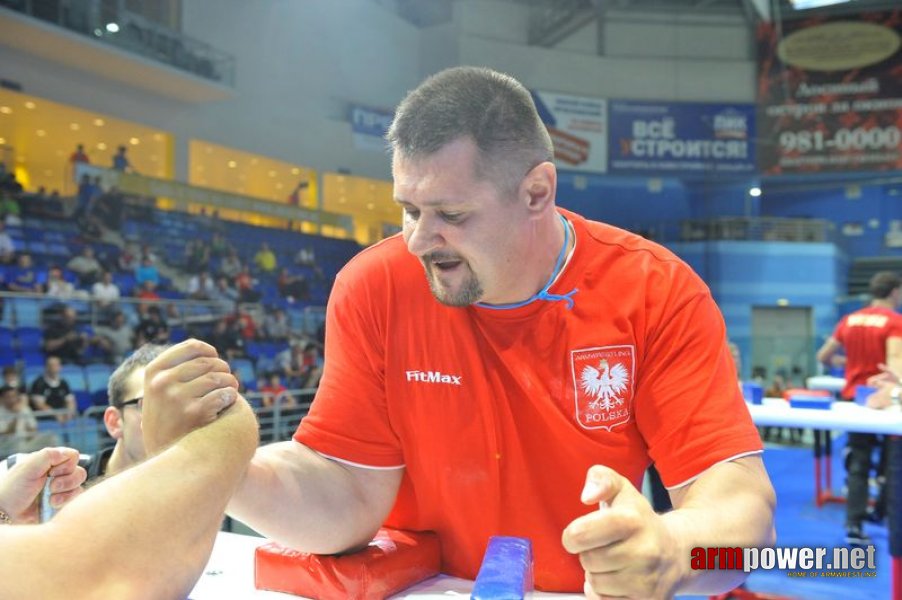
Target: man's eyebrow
{"points": [[427, 203]]}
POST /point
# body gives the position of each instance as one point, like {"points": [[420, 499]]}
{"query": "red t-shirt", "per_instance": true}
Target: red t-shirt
{"points": [[863, 333], [496, 415]]}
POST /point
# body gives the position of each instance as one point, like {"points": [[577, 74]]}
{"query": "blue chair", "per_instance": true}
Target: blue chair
{"points": [[82, 400], [33, 358], [75, 377], [245, 370], [98, 376], [30, 338], [27, 312]]}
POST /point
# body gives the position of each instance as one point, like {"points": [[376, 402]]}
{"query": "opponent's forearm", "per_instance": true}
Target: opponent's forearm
{"points": [[734, 510], [144, 533], [304, 500]]}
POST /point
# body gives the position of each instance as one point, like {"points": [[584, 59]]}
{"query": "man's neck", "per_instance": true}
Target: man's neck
{"points": [[883, 303]]}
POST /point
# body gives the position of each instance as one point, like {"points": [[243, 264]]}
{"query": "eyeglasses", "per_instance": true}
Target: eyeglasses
{"points": [[137, 402]]}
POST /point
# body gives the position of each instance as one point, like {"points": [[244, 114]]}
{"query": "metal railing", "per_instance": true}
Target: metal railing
{"points": [[767, 229], [115, 25]]}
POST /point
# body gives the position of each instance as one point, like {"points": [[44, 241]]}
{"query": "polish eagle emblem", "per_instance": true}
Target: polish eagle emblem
{"points": [[604, 384]]}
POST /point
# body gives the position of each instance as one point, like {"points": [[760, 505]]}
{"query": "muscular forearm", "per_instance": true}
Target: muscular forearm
{"points": [[301, 499], [733, 508], [150, 528]]}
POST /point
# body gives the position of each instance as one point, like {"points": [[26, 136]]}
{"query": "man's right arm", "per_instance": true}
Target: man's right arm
{"points": [[826, 352], [312, 503]]}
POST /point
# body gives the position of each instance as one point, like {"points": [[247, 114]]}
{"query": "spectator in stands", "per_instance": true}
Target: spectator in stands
{"points": [[147, 253], [302, 365], [116, 340], [121, 162], [265, 259], [245, 284], [122, 417], [219, 246], [226, 340], [79, 156], [12, 379], [147, 291], [274, 392], [147, 272], [197, 256], [230, 266], [10, 211], [224, 295], [105, 293], [24, 277], [305, 257], [243, 323], [292, 287], [62, 338], [201, 287], [57, 287], [10, 185], [7, 247], [18, 426], [84, 197], [86, 267], [276, 326], [152, 329], [108, 208], [51, 392]]}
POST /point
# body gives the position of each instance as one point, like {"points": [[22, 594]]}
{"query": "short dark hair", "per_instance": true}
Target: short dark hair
{"points": [[883, 283], [139, 358], [493, 109]]}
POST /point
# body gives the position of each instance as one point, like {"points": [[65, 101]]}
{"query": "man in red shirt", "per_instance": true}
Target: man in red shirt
{"points": [[871, 337], [523, 386]]}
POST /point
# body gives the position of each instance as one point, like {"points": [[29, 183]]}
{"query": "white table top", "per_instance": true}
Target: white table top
{"points": [[230, 574], [842, 416]]}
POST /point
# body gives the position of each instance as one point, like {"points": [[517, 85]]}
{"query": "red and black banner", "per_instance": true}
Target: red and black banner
{"points": [[830, 94]]}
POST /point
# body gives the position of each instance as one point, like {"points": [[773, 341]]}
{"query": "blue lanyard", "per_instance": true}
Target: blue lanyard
{"points": [[543, 293]]}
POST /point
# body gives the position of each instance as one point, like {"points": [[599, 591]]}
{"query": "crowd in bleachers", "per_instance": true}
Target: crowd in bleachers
{"points": [[83, 286]]}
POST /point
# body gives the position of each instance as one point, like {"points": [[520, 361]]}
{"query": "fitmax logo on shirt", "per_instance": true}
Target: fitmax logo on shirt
{"points": [[433, 377]]}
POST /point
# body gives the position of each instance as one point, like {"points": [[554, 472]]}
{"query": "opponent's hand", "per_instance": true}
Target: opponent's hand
{"points": [[22, 485], [625, 548], [886, 375], [882, 398], [185, 387]]}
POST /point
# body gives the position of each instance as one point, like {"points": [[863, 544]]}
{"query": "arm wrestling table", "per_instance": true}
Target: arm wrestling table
{"points": [[848, 416], [230, 574]]}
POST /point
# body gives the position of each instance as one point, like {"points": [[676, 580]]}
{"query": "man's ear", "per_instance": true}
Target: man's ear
{"points": [[112, 418], [539, 188]]}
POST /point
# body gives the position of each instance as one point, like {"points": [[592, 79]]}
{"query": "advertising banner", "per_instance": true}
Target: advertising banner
{"points": [[830, 94], [368, 127], [578, 128], [681, 138]]}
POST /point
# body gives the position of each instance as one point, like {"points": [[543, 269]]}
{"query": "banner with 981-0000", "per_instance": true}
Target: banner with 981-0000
{"points": [[830, 94]]}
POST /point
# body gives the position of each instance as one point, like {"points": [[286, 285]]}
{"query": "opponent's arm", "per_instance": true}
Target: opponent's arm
{"points": [[145, 533], [312, 503], [828, 350]]}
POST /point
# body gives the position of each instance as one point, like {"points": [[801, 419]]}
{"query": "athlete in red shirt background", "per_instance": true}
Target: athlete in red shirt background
{"points": [[871, 337], [524, 384]]}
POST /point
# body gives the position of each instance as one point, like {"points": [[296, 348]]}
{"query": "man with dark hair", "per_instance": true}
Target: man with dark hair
{"points": [[871, 337], [123, 416], [482, 398], [50, 391]]}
